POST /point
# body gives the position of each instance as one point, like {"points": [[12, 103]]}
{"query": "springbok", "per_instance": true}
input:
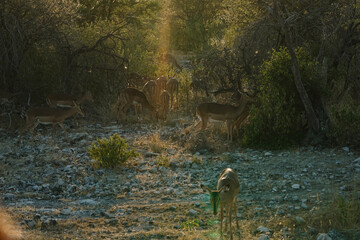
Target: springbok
{"points": [[225, 195], [48, 115]]}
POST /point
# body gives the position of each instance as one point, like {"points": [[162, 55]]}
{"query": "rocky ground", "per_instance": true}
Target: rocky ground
{"points": [[54, 192]]}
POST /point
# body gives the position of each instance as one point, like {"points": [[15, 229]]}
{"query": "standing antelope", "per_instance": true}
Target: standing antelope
{"points": [[47, 115], [222, 112], [133, 96], [172, 86], [164, 104], [67, 100], [169, 59], [228, 188]]}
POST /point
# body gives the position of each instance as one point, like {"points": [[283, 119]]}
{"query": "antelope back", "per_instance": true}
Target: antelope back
{"points": [[229, 185]]}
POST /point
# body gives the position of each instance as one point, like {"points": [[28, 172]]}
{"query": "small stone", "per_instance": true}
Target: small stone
{"points": [[267, 154], [299, 219], [263, 229], [66, 211], [264, 237], [192, 212], [280, 212], [112, 221], [323, 236], [295, 186], [304, 206], [346, 149]]}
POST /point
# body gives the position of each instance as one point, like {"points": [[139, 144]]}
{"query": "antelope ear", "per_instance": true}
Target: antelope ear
{"points": [[205, 188]]}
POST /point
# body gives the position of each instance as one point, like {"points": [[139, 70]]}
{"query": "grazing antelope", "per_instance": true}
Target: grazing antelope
{"points": [[160, 86], [225, 195], [47, 115], [149, 90], [164, 104], [172, 86], [222, 112], [133, 96]]}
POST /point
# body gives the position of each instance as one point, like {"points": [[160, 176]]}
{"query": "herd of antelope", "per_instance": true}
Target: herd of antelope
{"points": [[157, 97]]}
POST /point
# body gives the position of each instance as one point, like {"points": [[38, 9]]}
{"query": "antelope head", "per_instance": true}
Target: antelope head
{"points": [[214, 198]]}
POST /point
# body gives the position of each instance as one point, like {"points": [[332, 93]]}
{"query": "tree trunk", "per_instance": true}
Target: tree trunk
{"points": [[313, 121]]}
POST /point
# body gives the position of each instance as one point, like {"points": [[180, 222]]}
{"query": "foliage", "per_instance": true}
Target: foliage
{"points": [[195, 25], [345, 123], [342, 213], [276, 118], [112, 152], [197, 160], [189, 225], [162, 161]]}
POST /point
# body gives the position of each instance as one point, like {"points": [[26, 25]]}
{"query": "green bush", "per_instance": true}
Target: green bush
{"points": [[276, 119], [162, 161], [111, 152], [345, 124], [189, 225]]}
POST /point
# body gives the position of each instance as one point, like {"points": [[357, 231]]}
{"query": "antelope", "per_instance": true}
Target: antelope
{"points": [[222, 112], [237, 123], [169, 59], [164, 104], [160, 86], [149, 90], [133, 96], [48, 115], [226, 192], [67, 100], [172, 86]]}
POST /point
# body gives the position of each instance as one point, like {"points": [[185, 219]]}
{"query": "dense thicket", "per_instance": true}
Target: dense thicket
{"points": [[254, 46]]}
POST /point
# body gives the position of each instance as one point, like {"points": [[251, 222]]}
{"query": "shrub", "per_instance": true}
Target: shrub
{"points": [[276, 118], [162, 161], [189, 225], [345, 123], [341, 213], [111, 152]]}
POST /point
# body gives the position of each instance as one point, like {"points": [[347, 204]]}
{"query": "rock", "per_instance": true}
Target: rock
{"points": [[30, 223], [112, 221], [299, 220], [8, 196], [295, 186], [66, 211], [304, 206], [263, 237], [280, 212], [323, 236], [263, 229], [48, 223], [192, 212], [356, 161], [336, 235], [267, 154], [86, 202], [346, 149]]}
